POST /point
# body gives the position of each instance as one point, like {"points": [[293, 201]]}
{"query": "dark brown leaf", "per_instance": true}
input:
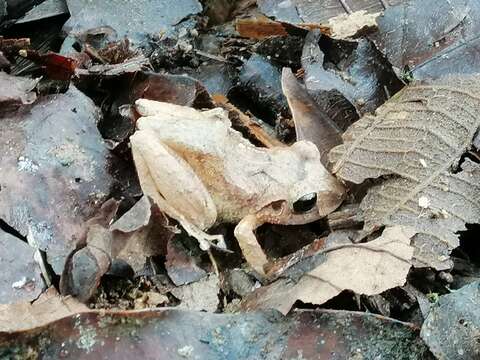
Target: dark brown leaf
{"points": [[54, 172], [20, 278], [432, 38], [452, 328], [182, 267], [175, 334], [261, 28], [354, 69]]}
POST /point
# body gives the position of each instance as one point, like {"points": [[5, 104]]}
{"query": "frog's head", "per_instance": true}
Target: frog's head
{"points": [[313, 192]]}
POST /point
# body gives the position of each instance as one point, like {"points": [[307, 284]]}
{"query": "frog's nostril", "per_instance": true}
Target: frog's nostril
{"points": [[305, 203]]}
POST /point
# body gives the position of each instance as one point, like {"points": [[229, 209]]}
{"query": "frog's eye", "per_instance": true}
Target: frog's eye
{"points": [[305, 203]]}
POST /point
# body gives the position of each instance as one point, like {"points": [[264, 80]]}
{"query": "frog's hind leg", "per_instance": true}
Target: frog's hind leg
{"points": [[173, 185]]}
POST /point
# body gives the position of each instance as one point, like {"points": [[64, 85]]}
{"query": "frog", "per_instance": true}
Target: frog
{"points": [[202, 172]]}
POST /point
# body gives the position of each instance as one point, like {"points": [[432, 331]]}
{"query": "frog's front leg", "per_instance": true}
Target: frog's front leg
{"points": [[173, 185], [251, 249], [245, 234]]}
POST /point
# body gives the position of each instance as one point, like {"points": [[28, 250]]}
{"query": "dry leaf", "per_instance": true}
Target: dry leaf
{"points": [[260, 28], [347, 25], [49, 307], [200, 296], [369, 269], [417, 139]]}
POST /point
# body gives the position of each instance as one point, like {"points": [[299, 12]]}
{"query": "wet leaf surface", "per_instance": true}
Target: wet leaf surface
{"points": [[418, 139], [150, 17], [260, 83], [44, 10], [357, 71], [183, 334], [452, 327], [446, 42], [181, 264], [20, 280], [298, 11], [67, 170]]}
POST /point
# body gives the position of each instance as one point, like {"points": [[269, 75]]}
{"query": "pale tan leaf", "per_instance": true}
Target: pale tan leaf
{"points": [[49, 307], [417, 139], [347, 25], [369, 269]]}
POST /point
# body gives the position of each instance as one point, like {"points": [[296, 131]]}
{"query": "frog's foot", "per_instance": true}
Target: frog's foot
{"points": [[205, 241]]}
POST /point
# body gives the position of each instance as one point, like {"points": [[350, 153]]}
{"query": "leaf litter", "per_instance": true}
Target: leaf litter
{"points": [[418, 139], [281, 72]]}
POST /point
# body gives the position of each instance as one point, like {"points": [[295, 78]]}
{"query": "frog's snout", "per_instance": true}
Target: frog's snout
{"points": [[330, 200]]}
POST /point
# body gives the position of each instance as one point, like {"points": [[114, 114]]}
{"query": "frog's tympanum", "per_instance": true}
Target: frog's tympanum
{"points": [[201, 172]]}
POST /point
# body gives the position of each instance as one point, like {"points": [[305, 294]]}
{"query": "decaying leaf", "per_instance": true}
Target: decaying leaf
{"points": [[260, 84], [20, 275], [181, 266], [140, 233], [45, 10], [179, 334], [105, 71], [452, 327], [354, 69], [56, 66], [311, 123], [201, 295], [53, 171], [369, 269], [417, 139], [150, 17], [431, 38], [85, 266], [319, 11], [50, 306]]}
